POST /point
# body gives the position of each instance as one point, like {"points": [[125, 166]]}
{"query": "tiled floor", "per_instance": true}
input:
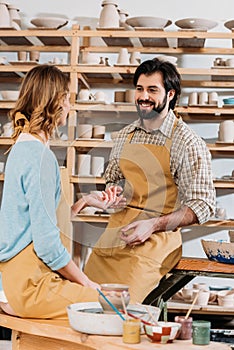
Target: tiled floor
{"points": [[5, 345]]}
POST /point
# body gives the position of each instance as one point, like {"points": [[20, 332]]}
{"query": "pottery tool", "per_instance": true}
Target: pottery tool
{"points": [[191, 307], [111, 305]]}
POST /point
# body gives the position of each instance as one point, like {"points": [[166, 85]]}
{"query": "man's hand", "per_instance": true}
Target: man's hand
{"points": [[141, 231]]}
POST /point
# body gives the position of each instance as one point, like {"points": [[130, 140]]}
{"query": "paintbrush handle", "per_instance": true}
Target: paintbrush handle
{"points": [[111, 305]]}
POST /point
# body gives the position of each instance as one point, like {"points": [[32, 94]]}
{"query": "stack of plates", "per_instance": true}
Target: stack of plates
{"points": [[228, 101]]}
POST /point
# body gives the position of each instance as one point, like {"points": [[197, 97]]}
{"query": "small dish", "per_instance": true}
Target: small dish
{"points": [[196, 23], [229, 24]]}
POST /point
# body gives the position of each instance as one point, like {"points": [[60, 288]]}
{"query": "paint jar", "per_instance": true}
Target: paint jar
{"points": [[201, 332], [186, 327], [132, 331]]}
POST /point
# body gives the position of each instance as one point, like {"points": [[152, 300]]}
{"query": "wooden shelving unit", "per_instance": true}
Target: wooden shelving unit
{"points": [[75, 41]]}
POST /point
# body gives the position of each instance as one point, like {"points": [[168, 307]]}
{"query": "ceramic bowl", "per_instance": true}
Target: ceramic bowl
{"points": [[196, 23], [229, 24], [49, 22], [113, 292], [11, 95], [163, 332], [89, 318], [147, 21], [226, 298], [220, 251]]}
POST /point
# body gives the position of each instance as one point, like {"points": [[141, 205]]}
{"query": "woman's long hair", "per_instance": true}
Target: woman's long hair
{"points": [[39, 102]]}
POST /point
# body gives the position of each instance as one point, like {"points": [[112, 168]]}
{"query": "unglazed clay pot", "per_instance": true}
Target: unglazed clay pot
{"points": [[109, 16], [5, 20]]}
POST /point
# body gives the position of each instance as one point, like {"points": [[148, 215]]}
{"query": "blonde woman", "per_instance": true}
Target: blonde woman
{"points": [[38, 277]]}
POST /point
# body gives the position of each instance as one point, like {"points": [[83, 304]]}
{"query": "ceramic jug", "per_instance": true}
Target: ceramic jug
{"points": [[5, 20], [14, 14], [109, 16]]}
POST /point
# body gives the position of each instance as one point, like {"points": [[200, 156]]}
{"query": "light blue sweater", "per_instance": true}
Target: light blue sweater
{"points": [[28, 211]]}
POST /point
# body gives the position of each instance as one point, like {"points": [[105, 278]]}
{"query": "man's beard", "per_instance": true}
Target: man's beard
{"points": [[153, 114]]}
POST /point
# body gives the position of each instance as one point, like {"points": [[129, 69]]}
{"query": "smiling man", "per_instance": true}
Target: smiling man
{"points": [[164, 170]]}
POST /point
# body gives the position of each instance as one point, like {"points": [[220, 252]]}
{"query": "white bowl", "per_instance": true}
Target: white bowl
{"points": [[147, 21], [49, 22], [89, 318], [196, 23], [219, 251], [229, 24], [10, 95]]}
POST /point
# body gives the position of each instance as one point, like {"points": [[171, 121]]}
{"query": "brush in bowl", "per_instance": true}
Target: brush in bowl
{"points": [[113, 292]]}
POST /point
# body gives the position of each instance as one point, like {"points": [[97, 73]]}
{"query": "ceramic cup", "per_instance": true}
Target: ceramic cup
{"points": [[97, 166], [135, 58], [212, 98], [226, 131], [100, 96], [85, 131], [99, 131], [203, 98], [186, 327], [3, 60], [123, 57], [203, 297], [231, 235], [193, 99], [200, 286], [22, 56], [84, 95], [83, 164], [130, 95], [34, 56], [131, 331], [201, 332], [230, 62]]}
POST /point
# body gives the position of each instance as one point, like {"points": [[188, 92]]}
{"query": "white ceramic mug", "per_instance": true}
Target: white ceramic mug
{"points": [[97, 166], [213, 97], [193, 99], [226, 131], [203, 297], [83, 164], [84, 95], [203, 98], [85, 131], [99, 131], [100, 96]]}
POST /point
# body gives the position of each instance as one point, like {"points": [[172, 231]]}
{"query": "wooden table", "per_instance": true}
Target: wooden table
{"points": [[31, 334], [187, 269]]}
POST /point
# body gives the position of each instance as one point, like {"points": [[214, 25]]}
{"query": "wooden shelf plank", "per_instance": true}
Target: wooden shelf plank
{"points": [[87, 180]]}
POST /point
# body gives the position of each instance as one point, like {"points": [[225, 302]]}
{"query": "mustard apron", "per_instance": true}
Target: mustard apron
{"points": [[151, 192], [34, 290]]}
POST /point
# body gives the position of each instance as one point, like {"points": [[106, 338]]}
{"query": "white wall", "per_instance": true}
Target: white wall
{"points": [[78, 11]]}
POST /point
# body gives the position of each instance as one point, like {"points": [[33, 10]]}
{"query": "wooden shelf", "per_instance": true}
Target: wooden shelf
{"points": [[92, 218], [75, 179]]}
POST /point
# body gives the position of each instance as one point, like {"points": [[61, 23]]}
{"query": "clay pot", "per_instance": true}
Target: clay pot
{"points": [[109, 16]]}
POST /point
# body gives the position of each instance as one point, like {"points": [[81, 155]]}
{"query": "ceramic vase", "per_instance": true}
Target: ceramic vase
{"points": [[226, 131], [5, 20], [14, 14], [109, 16]]}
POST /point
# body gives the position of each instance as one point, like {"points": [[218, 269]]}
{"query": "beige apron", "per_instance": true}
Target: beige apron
{"points": [[33, 289], [151, 192]]}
